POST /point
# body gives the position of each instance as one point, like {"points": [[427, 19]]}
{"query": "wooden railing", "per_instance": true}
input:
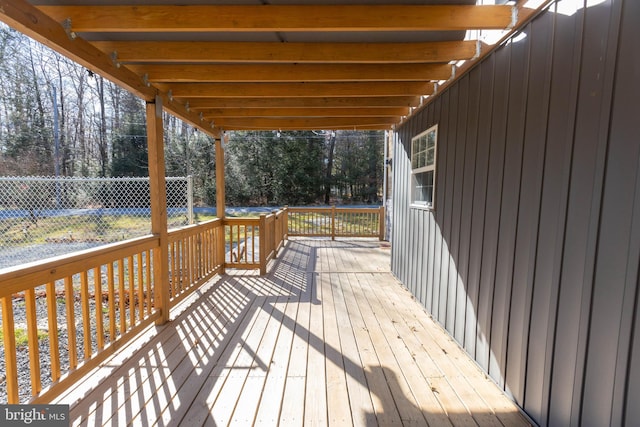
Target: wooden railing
{"points": [[85, 306], [274, 228], [253, 242], [336, 222], [196, 253], [90, 303], [243, 237]]}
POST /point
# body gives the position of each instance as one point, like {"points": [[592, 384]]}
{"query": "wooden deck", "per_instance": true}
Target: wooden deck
{"points": [[329, 337]]}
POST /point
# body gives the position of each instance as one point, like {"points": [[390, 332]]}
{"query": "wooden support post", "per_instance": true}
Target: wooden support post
{"points": [[220, 196], [220, 200], [263, 244], [158, 190], [382, 223]]}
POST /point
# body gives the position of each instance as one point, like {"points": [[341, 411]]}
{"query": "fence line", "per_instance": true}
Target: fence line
{"points": [[44, 215]]}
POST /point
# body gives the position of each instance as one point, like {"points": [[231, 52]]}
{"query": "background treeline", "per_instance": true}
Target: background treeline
{"points": [[52, 108]]}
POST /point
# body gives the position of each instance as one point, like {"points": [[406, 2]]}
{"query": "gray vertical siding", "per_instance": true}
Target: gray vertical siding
{"points": [[531, 258]]}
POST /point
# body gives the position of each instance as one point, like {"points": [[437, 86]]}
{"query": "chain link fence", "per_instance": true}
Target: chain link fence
{"points": [[46, 216]]}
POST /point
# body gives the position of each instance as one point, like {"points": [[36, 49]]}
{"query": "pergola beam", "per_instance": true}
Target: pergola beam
{"points": [[311, 112], [222, 18], [304, 103], [336, 123], [294, 72], [244, 52], [298, 90]]}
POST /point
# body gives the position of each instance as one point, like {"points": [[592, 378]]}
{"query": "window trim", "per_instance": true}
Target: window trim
{"points": [[422, 169]]}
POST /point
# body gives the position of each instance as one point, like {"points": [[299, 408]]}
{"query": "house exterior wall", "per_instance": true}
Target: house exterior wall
{"points": [[530, 259]]}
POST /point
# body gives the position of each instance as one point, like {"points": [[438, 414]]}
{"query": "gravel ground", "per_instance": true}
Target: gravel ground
{"points": [[24, 254]]}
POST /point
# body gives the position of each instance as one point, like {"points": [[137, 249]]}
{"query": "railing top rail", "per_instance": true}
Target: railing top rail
{"points": [[177, 233], [242, 220], [337, 209]]}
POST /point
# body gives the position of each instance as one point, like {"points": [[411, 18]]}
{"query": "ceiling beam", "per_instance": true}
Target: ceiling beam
{"points": [[306, 112], [297, 90], [293, 72], [171, 18], [307, 123], [212, 52], [349, 102]]}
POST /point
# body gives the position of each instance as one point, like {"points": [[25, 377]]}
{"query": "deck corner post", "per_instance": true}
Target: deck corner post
{"points": [[158, 194], [263, 244], [382, 226]]}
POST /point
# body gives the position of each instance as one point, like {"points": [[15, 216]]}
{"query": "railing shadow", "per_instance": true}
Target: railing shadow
{"points": [[177, 377]]}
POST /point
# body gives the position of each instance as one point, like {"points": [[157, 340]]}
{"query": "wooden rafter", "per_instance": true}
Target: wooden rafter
{"points": [[307, 123], [302, 103], [307, 112], [298, 90], [293, 72], [221, 64], [168, 18], [244, 52]]}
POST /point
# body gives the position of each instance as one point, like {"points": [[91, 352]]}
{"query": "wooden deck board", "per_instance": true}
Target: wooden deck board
{"points": [[328, 337]]}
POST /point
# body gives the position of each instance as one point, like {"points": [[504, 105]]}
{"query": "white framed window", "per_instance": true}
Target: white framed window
{"points": [[423, 168]]}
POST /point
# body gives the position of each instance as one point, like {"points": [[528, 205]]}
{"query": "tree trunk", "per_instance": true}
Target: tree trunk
{"points": [[329, 175]]}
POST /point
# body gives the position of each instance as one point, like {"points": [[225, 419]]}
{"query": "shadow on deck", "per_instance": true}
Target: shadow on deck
{"points": [[328, 337]]}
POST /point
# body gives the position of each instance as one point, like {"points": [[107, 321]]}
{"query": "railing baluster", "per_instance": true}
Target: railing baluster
{"points": [[140, 302], [182, 266], [52, 319], [179, 265], [97, 288], [200, 252], [131, 292], [71, 324], [34, 348], [11, 363], [121, 306], [243, 242], [187, 259], [207, 250], [253, 243], [112, 302], [86, 315], [175, 253], [186, 266], [194, 261], [149, 281]]}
